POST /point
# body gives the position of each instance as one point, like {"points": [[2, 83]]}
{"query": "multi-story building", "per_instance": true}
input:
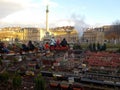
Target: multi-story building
{"points": [[22, 34], [37, 34], [89, 36], [94, 35], [10, 33], [113, 34], [67, 32], [32, 34], [100, 36], [110, 33]]}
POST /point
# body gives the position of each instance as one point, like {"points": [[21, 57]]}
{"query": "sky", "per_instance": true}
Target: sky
{"points": [[78, 13]]}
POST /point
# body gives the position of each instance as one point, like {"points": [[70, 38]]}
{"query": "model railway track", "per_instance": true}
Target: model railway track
{"points": [[83, 80]]}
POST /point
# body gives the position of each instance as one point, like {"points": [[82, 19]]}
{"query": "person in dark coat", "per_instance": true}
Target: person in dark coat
{"points": [[25, 48], [64, 43], [1, 47], [31, 46]]}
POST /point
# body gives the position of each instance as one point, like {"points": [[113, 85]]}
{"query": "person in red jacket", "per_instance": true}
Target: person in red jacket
{"points": [[47, 46], [58, 42]]}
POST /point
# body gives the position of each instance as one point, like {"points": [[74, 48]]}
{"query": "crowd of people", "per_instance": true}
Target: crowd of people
{"points": [[32, 46], [54, 44]]}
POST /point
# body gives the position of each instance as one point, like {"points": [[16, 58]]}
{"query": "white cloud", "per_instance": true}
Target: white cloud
{"points": [[8, 7], [30, 13], [26, 12], [25, 17]]}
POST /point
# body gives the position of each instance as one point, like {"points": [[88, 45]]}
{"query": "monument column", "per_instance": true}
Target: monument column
{"points": [[47, 36], [47, 25]]}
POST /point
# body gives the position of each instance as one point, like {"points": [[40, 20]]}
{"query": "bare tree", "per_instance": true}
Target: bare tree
{"points": [[114, 31]]}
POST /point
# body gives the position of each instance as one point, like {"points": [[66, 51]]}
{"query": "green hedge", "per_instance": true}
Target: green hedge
{"points": [[113, 45]]}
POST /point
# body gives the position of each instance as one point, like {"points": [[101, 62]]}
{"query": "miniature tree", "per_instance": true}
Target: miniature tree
{"points": [[98, 46], [39, 83], [77, 46], [4, 80], [90, 47], [4, 77], [94, 47], [15, 60], [17, 81], [104, 47], [118, 50], [0, 61]]}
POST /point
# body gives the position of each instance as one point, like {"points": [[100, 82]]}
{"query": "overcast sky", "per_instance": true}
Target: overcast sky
{"points": [[78, 13]]}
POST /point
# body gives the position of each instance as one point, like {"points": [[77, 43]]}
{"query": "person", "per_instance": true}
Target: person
{"points": [[25, 48], [15, 48], [47, 46], [52, 42], [5, 49], [64, 43], [41, 46], [1, 47], [31, 46], [58, 42]]}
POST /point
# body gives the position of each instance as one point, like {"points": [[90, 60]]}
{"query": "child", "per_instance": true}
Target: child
{"points": [[47, 46]]}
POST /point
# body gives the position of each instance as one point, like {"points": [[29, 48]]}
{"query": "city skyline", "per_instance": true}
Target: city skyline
{"points": [[78, 13]]}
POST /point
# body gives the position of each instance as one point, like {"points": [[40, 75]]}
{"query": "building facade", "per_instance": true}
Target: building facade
{"points": [[110, 34], [32, 34], [22, 34], [10, 33], [68, 32], [37, 34], [94, 35]]}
